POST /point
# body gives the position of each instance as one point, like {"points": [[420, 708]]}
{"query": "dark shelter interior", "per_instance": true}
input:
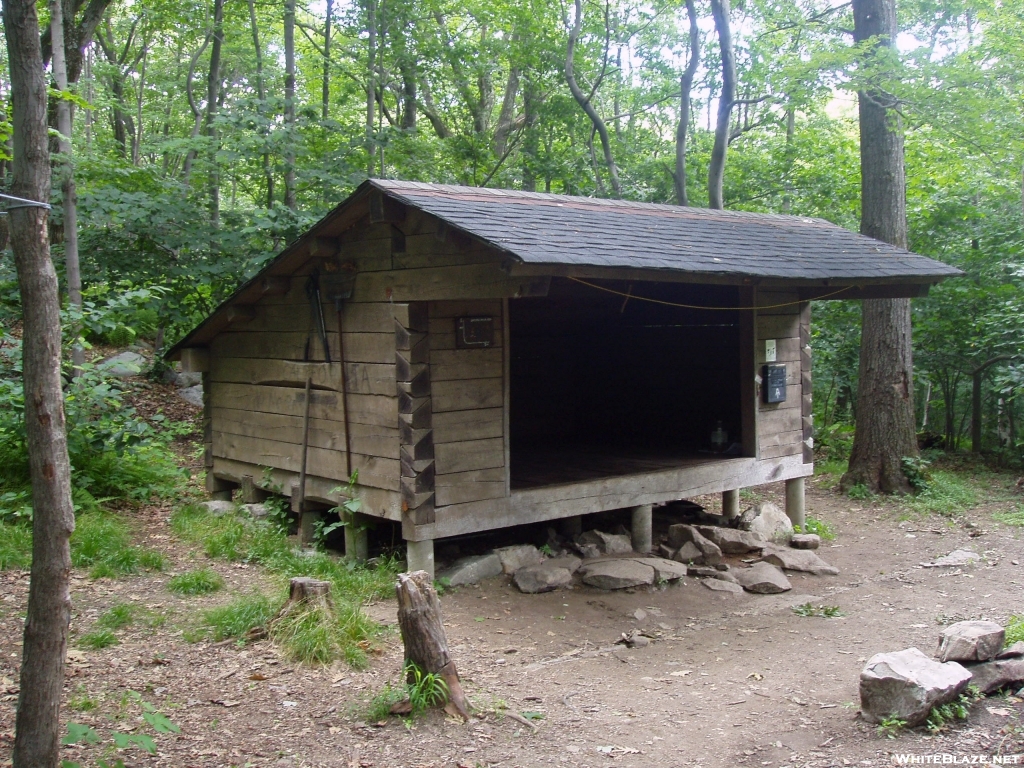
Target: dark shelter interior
{"points": [[614, 378]]}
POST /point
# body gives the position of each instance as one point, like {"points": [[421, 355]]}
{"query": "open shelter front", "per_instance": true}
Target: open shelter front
{"points": [[489, 358]]}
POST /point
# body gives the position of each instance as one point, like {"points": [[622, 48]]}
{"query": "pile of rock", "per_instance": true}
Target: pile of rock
{"points": [[607, 560], [907, 684]]}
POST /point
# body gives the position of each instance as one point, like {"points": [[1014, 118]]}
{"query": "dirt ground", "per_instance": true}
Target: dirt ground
{"points": [[728, 680]]}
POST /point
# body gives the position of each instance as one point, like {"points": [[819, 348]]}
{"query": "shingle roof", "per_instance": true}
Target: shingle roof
{"points": [[545, 229]]}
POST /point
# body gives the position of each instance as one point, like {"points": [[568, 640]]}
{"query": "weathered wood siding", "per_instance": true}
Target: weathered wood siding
{"points": [[781, 426], [467, 395]]}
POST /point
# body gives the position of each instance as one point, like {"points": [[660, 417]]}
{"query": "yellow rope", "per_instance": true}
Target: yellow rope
{"points": [[694, 306]]}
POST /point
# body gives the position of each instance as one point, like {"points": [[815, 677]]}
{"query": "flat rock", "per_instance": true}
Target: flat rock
{"points": [[763, 579], [990, 676], [805, 541], [617, 574], [970, 641], [689, 553], [122, 365], [218, 508], [770, 524], [256, 511], [954, 559], [797, 560], [1012, 652], [664, 569], [470, 570], [717, 585], [907, 684], [519, 556], [570, 562], [192, 395], [730, 540], [544, 577]]}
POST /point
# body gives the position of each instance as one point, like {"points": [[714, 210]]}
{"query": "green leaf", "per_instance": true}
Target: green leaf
{"points": [[160, 722], [78, 733]]}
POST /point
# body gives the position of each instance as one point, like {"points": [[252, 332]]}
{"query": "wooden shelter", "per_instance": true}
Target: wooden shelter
{"points": [[488, 358]]}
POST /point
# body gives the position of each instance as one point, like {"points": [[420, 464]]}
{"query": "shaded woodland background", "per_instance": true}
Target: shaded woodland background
{"points": [[198, 154]]}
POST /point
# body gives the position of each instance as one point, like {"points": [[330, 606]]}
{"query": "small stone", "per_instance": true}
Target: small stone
{"points": [[470, 570], [688, 553], [770, 524], [721, 566], [122, 365], [805, 541], [954, 559], [717, 585], [797, 560], [532, 579], [519, 556], [665, 551], [664, 570], [218, 508], [709, 551], [970, 641], [730, 540], [725, 576], [256, 511], [907, 684], [192, 395], [617, 574], [606, 543], [701, 571], [570, 562], [1012, 652], [763, 579]]}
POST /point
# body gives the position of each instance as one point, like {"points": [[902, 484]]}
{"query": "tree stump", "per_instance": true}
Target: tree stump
{"points": [[426, 645], [305, 593]]}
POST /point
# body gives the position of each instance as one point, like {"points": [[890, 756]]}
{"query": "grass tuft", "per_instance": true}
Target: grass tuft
{"points": [[198, 582], [102, 543], [819, 527], [15, 546], [118, 616], [237, 617], [824, 611], [1013, 517], [100, 638], [948, 493], [1014, 630]]}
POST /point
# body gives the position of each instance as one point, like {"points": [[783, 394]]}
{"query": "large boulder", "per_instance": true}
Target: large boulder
{"points": [[519, 556], [730, 540], [543, 577], [596, 543], [990, 676], [769, 523], [907, 684], [570, 562], [762, 579], [710, 553], [617, 574], [689, 553], [470, 570], [970, 641], [679, 534], [218, 508], [192, 395], [797, 560], [122, 365], [256, 511]]}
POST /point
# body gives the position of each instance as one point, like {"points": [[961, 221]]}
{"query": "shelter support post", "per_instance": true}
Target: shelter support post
{"points": [[218, 488], [419, 556], [357, 537], [795, 500], [252, 493], [641, 532], [731, 504]]}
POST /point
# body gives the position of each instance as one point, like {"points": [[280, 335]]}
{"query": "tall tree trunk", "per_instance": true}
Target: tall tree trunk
{"points": [[212, 103], [531, 141], [585, 102], [716, 168], [685, 88], [262, 95], [137, 142], [407, 69], [37, 739], [371, 84], [289, 103], [197, 116], [885, 396], [64, 128], [506, 117], [787, 197], [325, 96]]}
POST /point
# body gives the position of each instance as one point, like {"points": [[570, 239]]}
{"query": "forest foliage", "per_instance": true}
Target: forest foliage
{"points": [[198, 154]]}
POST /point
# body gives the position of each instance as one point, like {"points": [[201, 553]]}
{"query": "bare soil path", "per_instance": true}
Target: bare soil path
{"points": [[727, 680]]}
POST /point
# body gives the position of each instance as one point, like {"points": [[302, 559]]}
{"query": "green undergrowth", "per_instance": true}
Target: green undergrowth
{"points": [[198, 582], [346, 633], [1014, 630], [1013, 517], [947, 493], [120, 615], [818, 527], [101, 543], [421, 691]]}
